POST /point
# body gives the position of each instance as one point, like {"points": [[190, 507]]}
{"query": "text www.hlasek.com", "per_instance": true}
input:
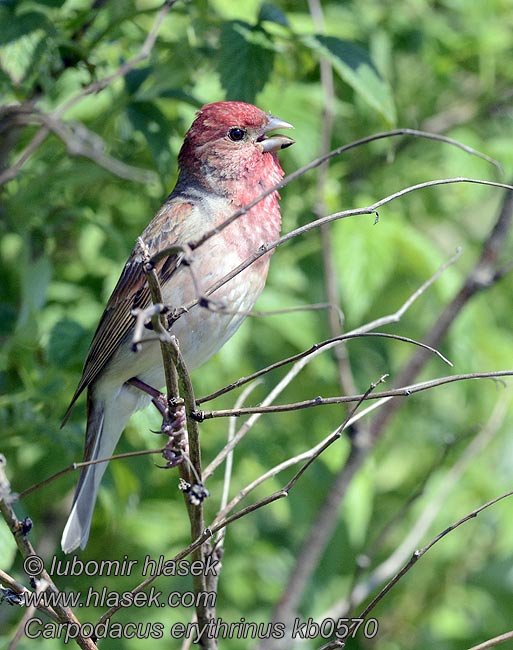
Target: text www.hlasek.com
{"points": [[216, 628], [106, 598]]}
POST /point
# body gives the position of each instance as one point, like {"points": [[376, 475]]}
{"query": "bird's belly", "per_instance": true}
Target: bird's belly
{"points": [[200, 332]]}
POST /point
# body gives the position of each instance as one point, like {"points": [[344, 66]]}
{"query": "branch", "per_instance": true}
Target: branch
{"points": [[491, 643], [328, 344], [336, 152], [485, 274], [344, 214], [314, 545], [175, 368], [421, 526], [420, 552], [75, 466], [219, 525], [340, 643], [95, 87], [19, 532], [404, 391]]}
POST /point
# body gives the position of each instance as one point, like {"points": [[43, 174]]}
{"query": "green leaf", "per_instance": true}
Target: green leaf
{"points": [[272, 14], [246, 60], [357, 69], [36, 277], [147, 118], [135, 78], [65, 344], [23, 41], [15, 27], [363, 261]]}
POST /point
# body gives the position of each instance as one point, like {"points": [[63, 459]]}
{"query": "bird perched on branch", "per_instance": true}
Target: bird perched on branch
{"points": [[228, 159]]}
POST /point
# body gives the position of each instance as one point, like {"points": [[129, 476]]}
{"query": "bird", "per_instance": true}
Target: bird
{"points": [[228, 158]]}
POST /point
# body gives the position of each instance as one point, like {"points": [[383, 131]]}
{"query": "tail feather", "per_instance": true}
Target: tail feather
{"points": [[107, 416], [76, 531]]}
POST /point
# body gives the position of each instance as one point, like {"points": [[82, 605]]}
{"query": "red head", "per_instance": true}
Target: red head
{"points": [[227, 150]]}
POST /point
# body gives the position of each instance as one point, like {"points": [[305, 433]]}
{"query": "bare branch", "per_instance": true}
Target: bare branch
{"points": [[396, 316], [418, 529], [75, 466], [340, 643], [309, 454], [484, 275], [26, 549], [344, 214], [336, 152], [419, 553], [491, 643], [328, 344], [95, 87], [404, 391], [314, 544], [384, 320]]}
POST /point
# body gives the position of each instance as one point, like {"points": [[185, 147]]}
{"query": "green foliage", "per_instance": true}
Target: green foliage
{"points": [[356, 68], [68, 221], [246, 57]]}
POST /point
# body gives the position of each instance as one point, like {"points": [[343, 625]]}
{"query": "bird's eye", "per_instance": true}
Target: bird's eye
{"points": [[236, 134]]}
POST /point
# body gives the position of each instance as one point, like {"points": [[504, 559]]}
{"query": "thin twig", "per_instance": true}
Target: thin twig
{"points": [[329, 343], [491, 643], [336, 152], [313, 452], [420, 527], [65, 614], [404, 391], [384, 320], [75, 466], [419, 553], [484, 275], [344, 214], [339, 643], [275, 496]]}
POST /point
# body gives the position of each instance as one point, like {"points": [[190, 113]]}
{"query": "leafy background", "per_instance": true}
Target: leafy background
{"points": [[67, 225]]}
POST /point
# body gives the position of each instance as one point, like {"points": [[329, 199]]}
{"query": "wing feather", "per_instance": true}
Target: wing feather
{"points": [[132, 291]]}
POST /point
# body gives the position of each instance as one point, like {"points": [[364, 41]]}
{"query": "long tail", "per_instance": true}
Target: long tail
{"points": [[103, 432]]}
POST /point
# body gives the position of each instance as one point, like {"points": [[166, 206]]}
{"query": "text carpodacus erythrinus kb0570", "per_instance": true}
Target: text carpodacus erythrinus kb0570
{"points": [[227, 160]]}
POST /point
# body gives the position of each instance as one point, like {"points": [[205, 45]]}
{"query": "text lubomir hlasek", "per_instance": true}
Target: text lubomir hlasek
{"points": [[125, 567]]}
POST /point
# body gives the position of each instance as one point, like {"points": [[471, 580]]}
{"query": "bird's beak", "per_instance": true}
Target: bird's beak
{"points": [[275, 142]]}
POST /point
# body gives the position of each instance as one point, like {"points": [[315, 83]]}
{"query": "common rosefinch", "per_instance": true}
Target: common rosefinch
{"points": [[226, 161]]}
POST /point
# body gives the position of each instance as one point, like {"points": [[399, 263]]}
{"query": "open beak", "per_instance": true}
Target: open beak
{"points": [[275, 142]]}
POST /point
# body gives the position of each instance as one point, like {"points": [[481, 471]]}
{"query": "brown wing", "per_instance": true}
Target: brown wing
{"points": [[132, 291]]}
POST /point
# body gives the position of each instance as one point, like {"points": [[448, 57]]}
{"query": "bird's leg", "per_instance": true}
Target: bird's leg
{"points": [[174, 426], [173, 422], [158, 398]]}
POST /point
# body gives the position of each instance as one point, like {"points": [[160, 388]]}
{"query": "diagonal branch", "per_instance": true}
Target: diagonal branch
{"points": [[95, 87], [484, 275]]}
